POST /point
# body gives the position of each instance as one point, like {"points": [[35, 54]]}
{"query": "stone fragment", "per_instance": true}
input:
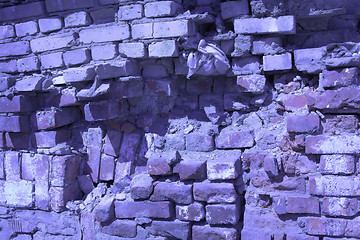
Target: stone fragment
{"points": [[310, 60], [176, 229], [340, 207], [339, 77], [246, 65], [267, 46], [122, 68]]}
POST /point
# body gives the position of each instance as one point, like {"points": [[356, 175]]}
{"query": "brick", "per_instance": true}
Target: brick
{"points": [[158, 166], [337, 164], [112, 143], [167, 48], [342, 144], [64, 5], [93, 142], [214, 192], [303, 123], [200, 142], [269, 25], [254, 83], [7, 31], [309, 60], [104, 52], [49, 43], [104, 110], [105, 211], [103, 15], [192, 170], [16, 140], [77, 19], [141, 187], [28, 64], [76, 57], [107, 168], [208, 232], [338, 77], [6, 82], [323, 226], [26, 28], [224, 167], [79, 74], [162, 9], [8, 66], [122, 68], [105, 34], [133, 50], [130, 12], [34, 9], [14, 123], [51, 24], [296, 205], [50, 139], [340, 123], [18, 193], [277, 62], [12, 166], [59, 196], [180, 194], [246, 65], [142, 31], [267, 46], [234, 9], [68, 98], [30, 83], [338, 186], [85, 183], [14, 49], [176, 28], [121, 228], [226, 140], [52, 60], [339, 207], [295, 102], [143, 209], [193, 212], [64, 170], [222, 214], [174, 230]]}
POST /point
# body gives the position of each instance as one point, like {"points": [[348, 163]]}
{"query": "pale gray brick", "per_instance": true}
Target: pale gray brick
{"points": [[76, 57], [28, 64], [130, 12], [133, 50], [104, 52], [105, 34], [52, 42], [78, 19], [52, 60], [26, 28], [277, 62], [162, 9], [167, 48], [270, 25], [175, 28], [52, 24], [7, 31], [142, 31]]}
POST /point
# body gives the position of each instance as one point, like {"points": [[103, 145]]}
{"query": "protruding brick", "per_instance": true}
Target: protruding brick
{"points": [[179, 193], [14, 49], [50, 139], [192, 170], [107, 168], [337, 164], [162, 9], [141, 186], [52, 60], [340, 207], [7, 31], [158, 166], [30, 83], [64, 170], [342, 144], [80, 74], [177, 28], [270, 25], [303, 123], [230, 139], [105, 34], [277, 62], [104, 110], [121, 228], [133, 50], [339, 77], [54, 118], [167, 48], [52, 42], [224, 167], [214, 192], [222, 214], [104, 52], [77, 57], [143, 209], [296, 205], [309, 60], [26, 28], [254, 83], [122, 68], [344, 186], [77, 19], [207, 232], [171, 230], [28, 64], [51, 24], [130, 12], [193, 212]]}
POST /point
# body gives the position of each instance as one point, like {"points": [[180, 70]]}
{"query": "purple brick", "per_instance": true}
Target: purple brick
{"points": [[50, 24], [192, 170], [179, 193], [208, 232], [143, 209], [14, 49], [64, 170], [222, 214], [303, 123], [85, 183], [68, 98], [107, 168], [294, 102], [339, 77], [6, 82], [104, 110], [17, 140], [214, 192], [55, 117], [121, 228], [50, 139], [296, 205], [230, 139], [7, 31], [337, 164], [340, 123], [14, 124], [324, 226], [193, 212], [2, 140], [164, 87], [76, 57], [254, 83], [341, 144]]}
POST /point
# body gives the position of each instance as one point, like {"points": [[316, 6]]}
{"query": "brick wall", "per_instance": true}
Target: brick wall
{"points": [[103, 136]]}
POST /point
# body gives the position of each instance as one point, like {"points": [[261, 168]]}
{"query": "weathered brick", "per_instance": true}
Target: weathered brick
{"points": [[339, 207], [158, 166], [105, 34], [93, 141], [270, 25], [241, 45], [193, 212], [52, 42], [130, 12], [133, 50], [234, 9], [20, 11], [51, 24], [30, 83], [14, 123], [338, 77], [64, 5], [85, 183], [79, 74], [112, 143], [207, 232], [143, 209], [59, 196], [18, 193], [107, 168], [162, 9], [26, 28], [77, 19], [303, 123], [230, 139], [201, 142], [267, 46], [77, 57], [52, 60], [224, 167], [68, 98], [141, 186], [246, 65], [17, 140], [64, 170], [323, 226], [103, 15], [122, 68], [179, 193], [8, 66], [334, 186], [54, 118], [342, 144], [222, 214], [105, 211], [295, 102], [192, 170], [309, 60], [214, 192], [18, 103], [121, 228], [12, 166], [337, 164], [296, 205], [14, 49], [277, 62], [28, 64], [167, 48], [340, 123], [254, 83], [142, 31], [104, 110], [7, 31], [2, 144], [104, 52], [175, 230], [50, 139], [177, 28]]}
